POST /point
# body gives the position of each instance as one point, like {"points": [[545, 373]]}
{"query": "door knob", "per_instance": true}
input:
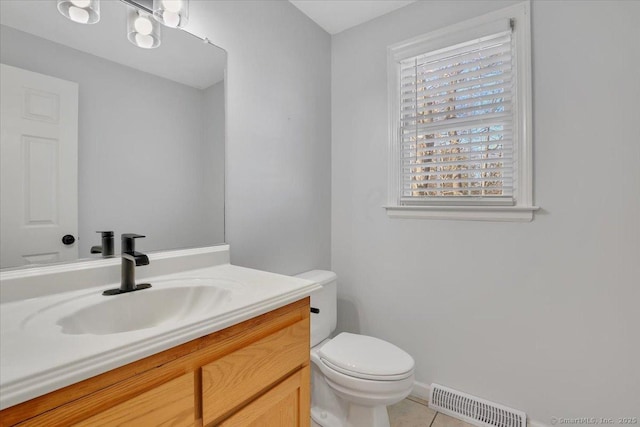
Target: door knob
{"points": [[68, 239]]}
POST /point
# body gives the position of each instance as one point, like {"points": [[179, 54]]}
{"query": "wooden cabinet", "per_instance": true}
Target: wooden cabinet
{"points": [[253, 373], [244, 372], [283, 405], [171, 404]]}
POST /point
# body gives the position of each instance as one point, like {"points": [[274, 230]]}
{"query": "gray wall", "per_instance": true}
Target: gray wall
{"points": [[541, 316], [278, 132], [138, 172]]}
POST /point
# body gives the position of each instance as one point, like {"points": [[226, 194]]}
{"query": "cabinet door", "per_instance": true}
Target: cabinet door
{"points": [[236, 378], [285, 405], [171, 404]]}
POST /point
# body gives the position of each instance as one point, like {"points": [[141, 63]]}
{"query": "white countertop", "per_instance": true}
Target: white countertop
{"points": [[36, 357]]}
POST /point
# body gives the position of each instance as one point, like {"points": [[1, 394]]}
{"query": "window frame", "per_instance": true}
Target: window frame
{"points": [[477, 209]]}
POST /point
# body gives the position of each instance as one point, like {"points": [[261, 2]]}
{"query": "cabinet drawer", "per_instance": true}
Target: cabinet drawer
{"points": [[237, 377], [171, 404], [284, 405]]}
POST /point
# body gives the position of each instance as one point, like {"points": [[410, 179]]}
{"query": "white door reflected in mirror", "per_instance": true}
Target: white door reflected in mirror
{"points": [[39, 167]]}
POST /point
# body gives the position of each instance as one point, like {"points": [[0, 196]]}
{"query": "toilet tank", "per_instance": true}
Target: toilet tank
{"points": [[326, 300]]}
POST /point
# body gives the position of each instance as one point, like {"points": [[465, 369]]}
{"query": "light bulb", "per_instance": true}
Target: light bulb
{"points": [[143, 25], [78, 15], [142, 30], [171, 19], [144, 41], [171, 13], [81, 3], [80, 11], [172, 5]]}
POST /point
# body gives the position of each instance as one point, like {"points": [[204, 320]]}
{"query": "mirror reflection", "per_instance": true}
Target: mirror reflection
{"points": [[101, 135]]}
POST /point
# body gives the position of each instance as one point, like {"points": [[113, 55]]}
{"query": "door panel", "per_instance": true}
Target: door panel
{"points": [[39, 151]]}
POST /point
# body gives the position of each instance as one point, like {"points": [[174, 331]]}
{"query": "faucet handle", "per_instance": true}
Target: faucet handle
{"points": [[128, 242], [106, 233], [132, 236]]}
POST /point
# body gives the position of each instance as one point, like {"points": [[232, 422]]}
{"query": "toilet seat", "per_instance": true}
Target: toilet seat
{"points": [[365, 376], [365, 357], [365, 392]]}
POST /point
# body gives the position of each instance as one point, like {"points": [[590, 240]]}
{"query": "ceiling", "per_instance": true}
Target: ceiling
{"points": [[338, 15]]}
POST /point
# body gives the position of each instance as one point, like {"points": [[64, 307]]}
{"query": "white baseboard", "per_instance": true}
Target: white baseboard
{"points": [[421, 391]]}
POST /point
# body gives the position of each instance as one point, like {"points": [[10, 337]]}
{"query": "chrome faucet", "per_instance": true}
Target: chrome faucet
{"points": [[130, 260]]}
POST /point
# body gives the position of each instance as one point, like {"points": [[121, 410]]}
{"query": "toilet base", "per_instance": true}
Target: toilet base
{"points": [[322, 418], [333, 406], [358, 416], [368, 416]]}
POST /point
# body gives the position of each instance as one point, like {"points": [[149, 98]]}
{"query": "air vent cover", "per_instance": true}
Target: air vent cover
{"points": [[474, 410]]}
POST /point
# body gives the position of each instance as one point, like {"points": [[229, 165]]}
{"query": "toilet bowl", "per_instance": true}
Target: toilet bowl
{"points": [[353, 377]]}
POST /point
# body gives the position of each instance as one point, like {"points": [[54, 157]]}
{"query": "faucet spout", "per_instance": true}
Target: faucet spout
{"points": [[137, 257]]}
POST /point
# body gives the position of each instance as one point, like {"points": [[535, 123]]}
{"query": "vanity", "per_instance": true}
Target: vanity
{"points": [[103, 135], [212, 344]]}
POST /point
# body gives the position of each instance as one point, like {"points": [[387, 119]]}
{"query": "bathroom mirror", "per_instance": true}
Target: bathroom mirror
{"points": [[99, 134]]}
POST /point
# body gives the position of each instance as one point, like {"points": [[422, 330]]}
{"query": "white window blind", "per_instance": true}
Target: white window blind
{"points": [[457, 124]]}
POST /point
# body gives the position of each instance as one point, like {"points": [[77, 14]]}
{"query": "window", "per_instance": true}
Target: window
{"points": [[460, 121]]}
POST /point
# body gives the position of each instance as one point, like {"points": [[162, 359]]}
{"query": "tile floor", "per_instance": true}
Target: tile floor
{"points": [[414, 412]]}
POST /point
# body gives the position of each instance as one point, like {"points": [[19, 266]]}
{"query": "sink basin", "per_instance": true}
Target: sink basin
{"points": [[175, 301]]}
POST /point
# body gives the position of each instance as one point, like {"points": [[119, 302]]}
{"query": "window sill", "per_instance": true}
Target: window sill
{"points": [[470, 213]]}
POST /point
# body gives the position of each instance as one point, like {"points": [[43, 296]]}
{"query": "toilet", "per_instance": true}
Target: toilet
{"points": [[353, 377]]}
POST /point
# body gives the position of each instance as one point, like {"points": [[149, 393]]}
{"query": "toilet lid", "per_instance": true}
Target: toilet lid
{"points": [[366, 357]]}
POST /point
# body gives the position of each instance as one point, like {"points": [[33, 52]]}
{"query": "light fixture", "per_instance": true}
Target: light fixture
{"points": [[172, 13], [142, 30], [81, 11]]}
